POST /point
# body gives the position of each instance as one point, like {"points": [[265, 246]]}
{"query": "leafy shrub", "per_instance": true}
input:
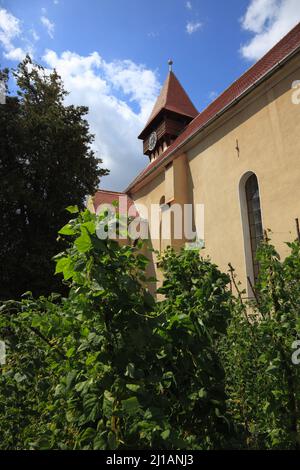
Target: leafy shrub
{"points": [[196, 312], [104, 368], [108, 368], [262, 382]]}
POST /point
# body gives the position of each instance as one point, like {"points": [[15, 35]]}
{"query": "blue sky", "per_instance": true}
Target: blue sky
{"points": [[112, 55]]}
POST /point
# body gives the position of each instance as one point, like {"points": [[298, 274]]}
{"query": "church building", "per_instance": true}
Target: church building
{"points": [[239, 159]]}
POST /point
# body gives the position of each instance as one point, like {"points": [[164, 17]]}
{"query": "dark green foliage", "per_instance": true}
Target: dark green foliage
{"points": [[104, 368], [263, 383], [196, 312], [107, 368], [46, 164]]}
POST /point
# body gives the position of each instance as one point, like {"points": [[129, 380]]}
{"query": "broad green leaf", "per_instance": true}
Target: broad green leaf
{"points": [[133, 387], [90, 226], [70, 352], [72, 209], [65, 266], [67, 229], [19, 377], [83, 243], [131, 405], [165, 434], [108, 401]]}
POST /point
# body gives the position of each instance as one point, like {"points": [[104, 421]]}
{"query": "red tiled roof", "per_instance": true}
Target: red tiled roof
{"points": [[282, 50], [172, 98], [103, 196]]}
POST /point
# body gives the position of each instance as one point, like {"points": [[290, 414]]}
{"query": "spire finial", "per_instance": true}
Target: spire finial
{"points": [[170, 63]]}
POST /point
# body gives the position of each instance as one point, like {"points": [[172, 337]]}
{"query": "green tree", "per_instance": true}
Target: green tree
{"points": [[46, 164]]}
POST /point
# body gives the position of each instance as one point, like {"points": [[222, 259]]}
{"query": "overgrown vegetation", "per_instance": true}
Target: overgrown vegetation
{"points": [[108, 368], [262, 382]]}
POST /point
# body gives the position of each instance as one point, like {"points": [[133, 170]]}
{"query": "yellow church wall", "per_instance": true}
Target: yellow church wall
{"points": [[169, 184], [259, 134], [265, 128], [151, 194]]}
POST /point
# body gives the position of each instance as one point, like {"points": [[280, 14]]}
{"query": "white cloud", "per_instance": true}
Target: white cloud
{"points": [[120, 96], [48, 25], [189, 5], [34, 34], [139, 84], [193, 26], [10, 30], [108, 89], [269, 21], [16, 54]]}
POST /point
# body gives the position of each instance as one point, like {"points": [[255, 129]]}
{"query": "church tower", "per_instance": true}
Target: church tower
{"points": [[172, 112]]}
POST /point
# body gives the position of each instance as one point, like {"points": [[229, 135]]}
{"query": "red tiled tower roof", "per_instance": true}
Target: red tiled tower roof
{"points": [[259, 71], [172, 98]]}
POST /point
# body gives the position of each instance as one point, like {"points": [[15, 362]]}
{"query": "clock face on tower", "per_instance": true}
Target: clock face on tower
{"points": [[152, 141]]}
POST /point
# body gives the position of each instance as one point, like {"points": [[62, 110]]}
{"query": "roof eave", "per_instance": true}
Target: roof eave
{"points": [[145, 131]]}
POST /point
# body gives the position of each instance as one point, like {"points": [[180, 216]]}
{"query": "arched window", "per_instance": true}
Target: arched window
{"points": [[162, 205], [162, 201], [254, 218]]}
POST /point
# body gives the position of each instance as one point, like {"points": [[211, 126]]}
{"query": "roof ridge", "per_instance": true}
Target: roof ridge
{"points": [[282, 50], [255, 64], [109, 191], [168, 85]]}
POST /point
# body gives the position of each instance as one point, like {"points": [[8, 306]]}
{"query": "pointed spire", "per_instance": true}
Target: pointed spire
{"points": [[172, 98]]}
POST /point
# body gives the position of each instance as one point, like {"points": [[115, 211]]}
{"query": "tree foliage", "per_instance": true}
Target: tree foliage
{"points": [[46, 164]]}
